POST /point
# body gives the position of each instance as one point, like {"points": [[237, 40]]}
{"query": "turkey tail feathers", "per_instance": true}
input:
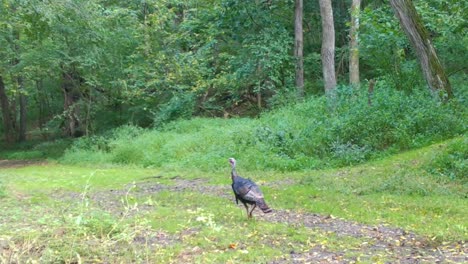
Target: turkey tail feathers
{"points": [[263, 206]]}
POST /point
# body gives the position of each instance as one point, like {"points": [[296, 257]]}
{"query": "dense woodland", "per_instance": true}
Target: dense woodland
{"points": [[80, 68]]}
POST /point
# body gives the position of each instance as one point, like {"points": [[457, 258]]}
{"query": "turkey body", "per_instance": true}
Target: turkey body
{"points": [[247, 192]]}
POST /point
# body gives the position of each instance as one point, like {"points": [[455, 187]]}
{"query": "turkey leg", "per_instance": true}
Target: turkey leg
{"points": [[253, 207], [247, 209]]}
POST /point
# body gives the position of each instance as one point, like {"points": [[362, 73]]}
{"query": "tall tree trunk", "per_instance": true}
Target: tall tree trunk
{"points": [[40, 104], [71, 93], [43, 105], [328, 46], [8, 120], [23, 112], [416, 32], [299, 48], [354, 44]]}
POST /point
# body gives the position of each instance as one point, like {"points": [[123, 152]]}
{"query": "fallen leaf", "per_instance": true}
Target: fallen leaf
{"points": [[232, 246]]}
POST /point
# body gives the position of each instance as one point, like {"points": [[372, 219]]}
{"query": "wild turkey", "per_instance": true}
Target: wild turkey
{"points": [[247, 191]]}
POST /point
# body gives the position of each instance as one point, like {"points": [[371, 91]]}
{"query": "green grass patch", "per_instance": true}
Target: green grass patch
{"points": [[53, 178], [68, 213], [33, 150], [313, 134]]}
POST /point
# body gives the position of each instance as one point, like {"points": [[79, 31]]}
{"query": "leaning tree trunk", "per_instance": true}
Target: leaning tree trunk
{"points": [[70, 88], [354, 44], [416, 32], [328, 46], [8, 120], [299, 48]]}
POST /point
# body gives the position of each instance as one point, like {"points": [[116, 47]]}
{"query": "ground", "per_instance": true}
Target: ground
{"points": [[297, 236]]}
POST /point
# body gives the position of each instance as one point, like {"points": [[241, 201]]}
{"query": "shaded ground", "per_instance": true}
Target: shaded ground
{"points": [[394, 244], [20, 163]]}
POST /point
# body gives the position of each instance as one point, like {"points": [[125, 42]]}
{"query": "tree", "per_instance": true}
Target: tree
{"points": [[328, 45], [354, 44], [8, 120], [419, 38], [299, 48], [21, 90]]}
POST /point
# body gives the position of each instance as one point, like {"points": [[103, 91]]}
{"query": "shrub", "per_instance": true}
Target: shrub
{"points": [[352, 131], [306, 135], [30, 150], [451, 162], [180, 106]]}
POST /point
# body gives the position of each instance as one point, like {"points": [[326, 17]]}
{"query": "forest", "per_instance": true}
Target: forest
{"points": [[118, 119]]}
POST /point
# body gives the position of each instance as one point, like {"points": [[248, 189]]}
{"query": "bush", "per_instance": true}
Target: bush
{"points": [[180, 106], [351, 131], [31, 150], [451, 162], [308, 135]]}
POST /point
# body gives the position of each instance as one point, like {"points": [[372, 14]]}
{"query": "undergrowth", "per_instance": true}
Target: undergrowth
{"points": [[31, 150], [309, 135], [451, 162]]}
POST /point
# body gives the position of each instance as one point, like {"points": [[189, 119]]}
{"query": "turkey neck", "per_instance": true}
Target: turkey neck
{"points": [[234, 173]]}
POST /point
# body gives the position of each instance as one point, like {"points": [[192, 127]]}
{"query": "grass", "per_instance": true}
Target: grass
{"points": [[35, 149], [309, 135], [67, 213]]}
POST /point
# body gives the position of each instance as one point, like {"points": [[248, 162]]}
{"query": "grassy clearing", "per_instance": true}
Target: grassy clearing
{"points": [[64, 213]]}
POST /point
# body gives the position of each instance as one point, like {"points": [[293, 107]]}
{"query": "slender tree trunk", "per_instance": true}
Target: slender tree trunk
{"points": [[8, 120], [70, 106], [299, 48], [40, 103], [354, 44], [328, 46], [21, 92], [23, 112], [416, 32]]}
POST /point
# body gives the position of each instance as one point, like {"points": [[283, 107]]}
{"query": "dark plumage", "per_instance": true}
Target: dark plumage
{"points": [[247, 191]]}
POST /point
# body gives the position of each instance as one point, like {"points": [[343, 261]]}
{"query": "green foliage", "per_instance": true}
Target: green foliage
{"points": [[386, 53], [149, 63], [451, 162], [31, 150], [179, 106], [307, 135], [384, 50]]}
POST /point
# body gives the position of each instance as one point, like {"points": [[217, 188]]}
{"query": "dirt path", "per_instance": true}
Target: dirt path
{"points": [[394, 244]]}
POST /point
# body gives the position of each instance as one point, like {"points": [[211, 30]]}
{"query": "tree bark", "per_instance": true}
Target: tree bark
{"points": [[71, 109], [328, 46], [419, 38], [22, 93], [354, 44], [40, 104], [299, 48], [23, 112], [8, 120]]}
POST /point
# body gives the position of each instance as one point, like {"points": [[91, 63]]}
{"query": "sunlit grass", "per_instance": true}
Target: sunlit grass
{"points": [[57, 208]]}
